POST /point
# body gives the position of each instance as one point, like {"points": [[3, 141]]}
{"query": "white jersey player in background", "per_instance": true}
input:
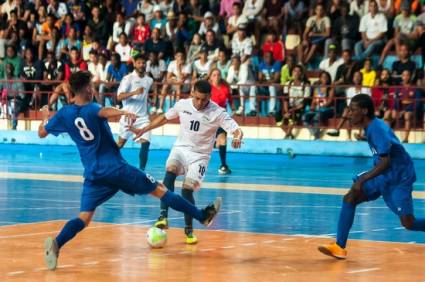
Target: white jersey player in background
{"points": [[199, 120], [134, 93]]}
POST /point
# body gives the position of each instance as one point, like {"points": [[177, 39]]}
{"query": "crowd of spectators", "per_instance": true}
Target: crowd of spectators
{"points": [[299, 61]]}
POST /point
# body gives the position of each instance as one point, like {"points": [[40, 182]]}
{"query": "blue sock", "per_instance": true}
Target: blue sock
{"points": [[69, 231], [418, 224], [178, 203], [143, 155], [346, 218]]}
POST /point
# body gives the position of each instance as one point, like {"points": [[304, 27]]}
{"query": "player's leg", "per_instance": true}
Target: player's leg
{"points": [[121, 142], [94, 194], [172, 171], [370, 191], [143, 154], [221, 144]]}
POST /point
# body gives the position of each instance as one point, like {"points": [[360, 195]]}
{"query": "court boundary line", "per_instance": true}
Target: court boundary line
{"points": [[206, 185]]}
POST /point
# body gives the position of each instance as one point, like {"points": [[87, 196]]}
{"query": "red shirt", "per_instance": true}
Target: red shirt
{"points": [[221, 95], [71, 68], [141, 33], [276, 48]]}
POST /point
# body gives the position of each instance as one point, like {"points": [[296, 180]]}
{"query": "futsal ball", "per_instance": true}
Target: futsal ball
{"points": [[156, 237]]}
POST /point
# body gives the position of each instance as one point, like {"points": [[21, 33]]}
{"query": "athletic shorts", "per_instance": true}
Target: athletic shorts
{"points": [[397, 197], [126, 134], [190, 164], [127, 178]]}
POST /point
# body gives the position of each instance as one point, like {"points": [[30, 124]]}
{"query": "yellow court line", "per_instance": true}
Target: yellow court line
{"points": [[207, 185]]}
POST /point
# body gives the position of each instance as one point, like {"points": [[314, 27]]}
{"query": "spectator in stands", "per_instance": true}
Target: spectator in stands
{"points": [[98, 24], [252, 11], [157, 44], [87, 43], [171, 28], [274, 45], [286, 71], [222, 96], [66, 44], [45, 34], [405, 102], [296, 93], [386, 7], [201, 66], [59, 9], [414, 5], [7, 7], [383, 97], [320, 110], [74, 64], [240, 77], [223, 62], [345, 72], [242, 45], [166, 6], [156, 69], [271, 16], [332, 63], [145, 8], [373, 27], [227, 8], [293, 12], [269, 72], [194, 48], [345, 29], [235, 19], [197, 9], [141, 32], [404, 31], [11, 58], [404, 63], [369, 74], [177, 78], [120, 26], [158, 21], [317, 30], [115, 73], [69, 23], [209, 23], [14, 91], [95, 68], [213, 45], [53, 70], [123, 49], [31, 70], [350, 93]]}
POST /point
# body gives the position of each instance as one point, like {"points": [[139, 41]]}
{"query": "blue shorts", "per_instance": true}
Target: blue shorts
{"points": [[398, 197], [128, 179]]}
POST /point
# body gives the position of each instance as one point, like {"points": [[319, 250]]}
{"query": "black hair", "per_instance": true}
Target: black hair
{"points": [[79, 80], [202, 86], [74, 49], [364, 101], [139, 57]]}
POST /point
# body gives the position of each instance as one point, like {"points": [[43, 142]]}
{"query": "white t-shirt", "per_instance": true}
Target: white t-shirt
{"points": [[352, 91], [172, 68], [200, 69], [331, 69], [124, 52], [157, 69], [95, 70], [198, 128], [137, 104], [373, 26], [297, 93], [243, 47], [117, 30], [233, 21]]}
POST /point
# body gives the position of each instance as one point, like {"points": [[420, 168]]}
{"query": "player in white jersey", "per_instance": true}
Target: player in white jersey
{"points": [[134, 92], [199, 120]]}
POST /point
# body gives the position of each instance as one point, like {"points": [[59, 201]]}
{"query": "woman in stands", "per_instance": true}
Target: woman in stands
{"points": [[383, 97]]}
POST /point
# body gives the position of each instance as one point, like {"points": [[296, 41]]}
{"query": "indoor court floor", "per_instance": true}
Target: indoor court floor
{"points": [[276, 211]]}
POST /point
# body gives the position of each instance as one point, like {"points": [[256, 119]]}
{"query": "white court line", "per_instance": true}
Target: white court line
{"points": [[379, 229], [66, 266], [362, 270], [15, 272], [207, 250], [268, 241], [43, 208], [227, 247], [91, 262]]}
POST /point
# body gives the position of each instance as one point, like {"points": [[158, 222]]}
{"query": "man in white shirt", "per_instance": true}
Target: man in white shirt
{"points": [[199, 120], [134, 92], [241, 44], [331, 63], [373, 27]]}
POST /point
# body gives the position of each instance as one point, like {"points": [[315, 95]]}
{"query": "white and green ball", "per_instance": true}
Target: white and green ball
{"points": [[156, 237]]}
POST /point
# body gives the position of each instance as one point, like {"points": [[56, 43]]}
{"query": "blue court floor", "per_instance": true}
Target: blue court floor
{"points": [[252, 210]]}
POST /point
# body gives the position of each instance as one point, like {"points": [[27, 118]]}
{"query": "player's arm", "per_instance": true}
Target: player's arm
{"points": [[157, 122], [110, 112], [237, 138], [230, 126], [42, 132], [126, 95], [383, 164]]}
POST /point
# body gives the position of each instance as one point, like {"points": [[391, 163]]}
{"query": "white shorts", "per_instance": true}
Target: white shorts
{"points": [[190, 164], [139, 123]]}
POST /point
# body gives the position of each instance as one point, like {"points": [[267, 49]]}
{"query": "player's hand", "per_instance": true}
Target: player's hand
{"points": [[45, 112], [236, 143], [137, 131], [130, 118], [140, 90]]}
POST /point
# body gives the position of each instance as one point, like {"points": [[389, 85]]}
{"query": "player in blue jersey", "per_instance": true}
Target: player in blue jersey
{"points": [[392, 176], [105, 170]]}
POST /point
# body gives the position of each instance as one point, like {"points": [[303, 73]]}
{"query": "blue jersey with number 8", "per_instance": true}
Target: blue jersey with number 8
{"points": [[92, 135]]}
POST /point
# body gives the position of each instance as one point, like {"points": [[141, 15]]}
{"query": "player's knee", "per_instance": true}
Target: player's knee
{"points": [[86, 217], [351, 198], [407, 222], [172, 169]]}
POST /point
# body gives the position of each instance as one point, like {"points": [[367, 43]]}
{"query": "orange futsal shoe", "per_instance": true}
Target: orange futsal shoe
{"points": [[333, 250]]}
